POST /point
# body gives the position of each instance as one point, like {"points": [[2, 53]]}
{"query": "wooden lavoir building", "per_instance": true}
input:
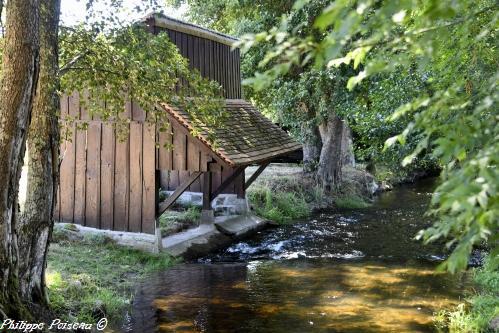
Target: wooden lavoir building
{"points": [[114, 185]]}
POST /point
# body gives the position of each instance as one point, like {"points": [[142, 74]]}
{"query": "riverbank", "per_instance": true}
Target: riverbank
{"points": [[282, 193], [480, 311], [89, 278]]}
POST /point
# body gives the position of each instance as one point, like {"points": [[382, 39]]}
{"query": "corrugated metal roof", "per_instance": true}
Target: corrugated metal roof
{"points": [[245, 137]]}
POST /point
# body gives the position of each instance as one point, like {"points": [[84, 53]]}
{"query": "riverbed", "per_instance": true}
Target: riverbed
{"points": [[338, 271]]}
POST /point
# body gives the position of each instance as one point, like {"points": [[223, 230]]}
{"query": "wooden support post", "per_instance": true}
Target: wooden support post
{"points": [[207, 191], [207, 215], [255, 175], [157, 188], [178, 191], [227, 182]]}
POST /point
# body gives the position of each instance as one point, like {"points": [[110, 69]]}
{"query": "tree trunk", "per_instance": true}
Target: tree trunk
{"points": [[312, 146], [347, 147], [43, 155], [17, 87], [331, 158]]}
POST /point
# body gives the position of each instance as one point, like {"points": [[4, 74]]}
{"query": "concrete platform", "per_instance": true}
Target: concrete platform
{"points": [[240, 225], [206, 238], [178, 244]]}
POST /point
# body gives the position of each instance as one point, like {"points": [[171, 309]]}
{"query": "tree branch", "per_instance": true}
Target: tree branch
{"points": [[67, 66]]}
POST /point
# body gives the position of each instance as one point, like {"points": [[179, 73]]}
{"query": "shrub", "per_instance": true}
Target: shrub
{"points": [[480, 309], [280, 207]]}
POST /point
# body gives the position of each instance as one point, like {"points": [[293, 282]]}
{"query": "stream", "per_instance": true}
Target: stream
{"points": [[338, 271]]}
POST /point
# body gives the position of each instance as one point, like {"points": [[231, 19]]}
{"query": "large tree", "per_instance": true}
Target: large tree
{"points": [[17, 90], [307, 101], [36, 224], [452, 46]]}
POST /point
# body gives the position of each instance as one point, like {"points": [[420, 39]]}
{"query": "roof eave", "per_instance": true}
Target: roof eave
{"points": [[163, 21]]}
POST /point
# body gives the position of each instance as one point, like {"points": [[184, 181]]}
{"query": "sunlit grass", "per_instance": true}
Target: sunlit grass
{"points": [[94, 278]]}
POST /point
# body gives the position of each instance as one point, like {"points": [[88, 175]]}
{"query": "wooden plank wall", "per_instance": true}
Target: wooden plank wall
{"points": [[214, 60], [183, 158], [171, 179], [106, 183]]}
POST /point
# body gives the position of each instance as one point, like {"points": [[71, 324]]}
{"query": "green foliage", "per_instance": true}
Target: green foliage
{"points": [[451, 48], [89, 277], [306, 95], [280, 207], [481, 308], [129, 63]]}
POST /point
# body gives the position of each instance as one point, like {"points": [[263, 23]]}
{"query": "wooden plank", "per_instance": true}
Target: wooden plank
{"points": [[174, 180], [228, 182], [230, 75], [255, 175], [92, 201], [207, 196], [107, 176], [238, 72], [138, 114], [209, 53], [165, 155], [84, 114], [149, 180], [196, 57], [178, 191], [226, 174], [205, 159], [239, 186], [193, 163], [216, 174], [135, 215], [80, 176], [190, 50], [193, 157], [122, 185], [196, 185], [164, 179], [67, 178], [203, 58], [179, 149]]}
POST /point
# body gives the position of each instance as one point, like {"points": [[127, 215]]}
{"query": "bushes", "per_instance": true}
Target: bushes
{"points": [[280, 207], [284, 193], [476, 315]]}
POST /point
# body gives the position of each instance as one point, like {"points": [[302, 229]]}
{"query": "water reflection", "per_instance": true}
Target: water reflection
{"points": [[295, 296], [350, 271]]}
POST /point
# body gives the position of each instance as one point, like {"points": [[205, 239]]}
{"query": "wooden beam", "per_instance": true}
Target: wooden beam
{"points": [[207, 191], [178, 191], [157, 188], [255, 175], [227, 182]]}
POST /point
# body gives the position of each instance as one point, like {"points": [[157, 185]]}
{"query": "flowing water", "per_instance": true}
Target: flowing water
{"points": [[342, 271]]}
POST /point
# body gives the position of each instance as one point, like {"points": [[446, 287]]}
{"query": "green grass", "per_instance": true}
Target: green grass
{"points": [[476, 314], [189, 217], [93, 278], [280, 207]]}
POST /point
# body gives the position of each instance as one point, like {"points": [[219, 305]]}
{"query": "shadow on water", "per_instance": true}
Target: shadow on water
{"points": [[348, 271]]}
